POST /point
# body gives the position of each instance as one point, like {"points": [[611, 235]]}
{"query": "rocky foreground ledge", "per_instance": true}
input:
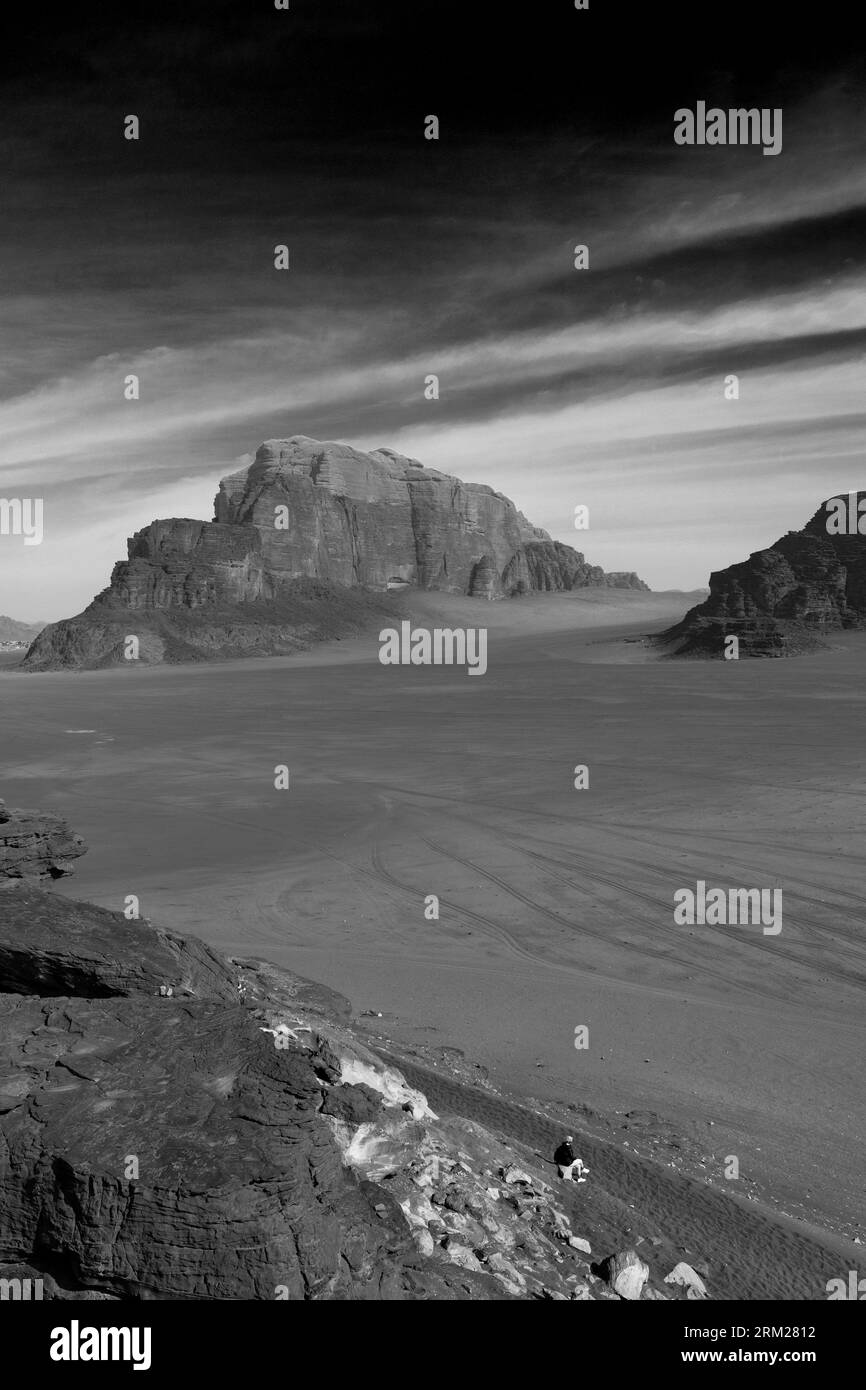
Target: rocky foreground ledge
{"points": [[175, 1124]]}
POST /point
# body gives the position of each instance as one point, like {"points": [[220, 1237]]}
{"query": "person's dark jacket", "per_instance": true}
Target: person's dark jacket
{"points": [[564, 1155]]}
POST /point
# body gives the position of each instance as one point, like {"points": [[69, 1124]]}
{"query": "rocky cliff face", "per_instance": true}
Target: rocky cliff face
{"points": [[550, 566], [781, 600], [307, 514], [372, 519]]}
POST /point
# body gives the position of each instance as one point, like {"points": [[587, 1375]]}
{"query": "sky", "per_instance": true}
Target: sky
{"points": [[602, 387]]}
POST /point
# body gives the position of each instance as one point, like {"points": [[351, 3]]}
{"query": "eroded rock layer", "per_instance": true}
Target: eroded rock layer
{"points": [[783, 599], [36, 846]]}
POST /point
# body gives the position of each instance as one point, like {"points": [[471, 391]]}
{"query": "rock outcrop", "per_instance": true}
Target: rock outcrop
{"points": [[36, 846], [78, 949], [549, 566], [310, 612], [162, 1146], [174, 1124], [782, 600], [303, 542]]}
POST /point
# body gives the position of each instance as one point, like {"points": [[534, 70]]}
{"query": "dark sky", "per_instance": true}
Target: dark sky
{"points": [[408, 257]]}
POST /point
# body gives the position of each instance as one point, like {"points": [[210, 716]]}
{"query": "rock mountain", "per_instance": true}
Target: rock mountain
{"points": [[781, 600], [304, 544], [12, 631]]}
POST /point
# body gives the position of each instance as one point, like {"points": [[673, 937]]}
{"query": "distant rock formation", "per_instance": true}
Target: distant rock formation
{"points": [[15, 636], [36, 846], [782, 600], [12, 633], [304, 526], [308, 612], [549, 566]]}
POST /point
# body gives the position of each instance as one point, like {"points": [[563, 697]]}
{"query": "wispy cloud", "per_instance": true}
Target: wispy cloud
{"points": [[557, 386]]}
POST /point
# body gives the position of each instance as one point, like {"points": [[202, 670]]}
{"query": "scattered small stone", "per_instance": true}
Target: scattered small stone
{"points": [[463, 1256], [425, 1242], [513, 1174]]}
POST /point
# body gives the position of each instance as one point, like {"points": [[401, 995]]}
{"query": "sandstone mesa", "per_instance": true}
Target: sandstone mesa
{"points": [[307, 543]]}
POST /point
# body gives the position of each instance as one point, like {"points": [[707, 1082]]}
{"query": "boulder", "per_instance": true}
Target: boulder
{"points": [[356, 1105], [626, 1273], [687, 1278], [461, 1255], [514, 1175], [512, 1279], [36, 846]]}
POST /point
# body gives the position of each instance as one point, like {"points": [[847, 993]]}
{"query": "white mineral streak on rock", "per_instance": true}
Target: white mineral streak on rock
{"points": [[392, 1087]]}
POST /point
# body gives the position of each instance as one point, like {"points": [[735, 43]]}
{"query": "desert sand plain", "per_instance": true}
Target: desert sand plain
{"points": [[556, 904]]}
